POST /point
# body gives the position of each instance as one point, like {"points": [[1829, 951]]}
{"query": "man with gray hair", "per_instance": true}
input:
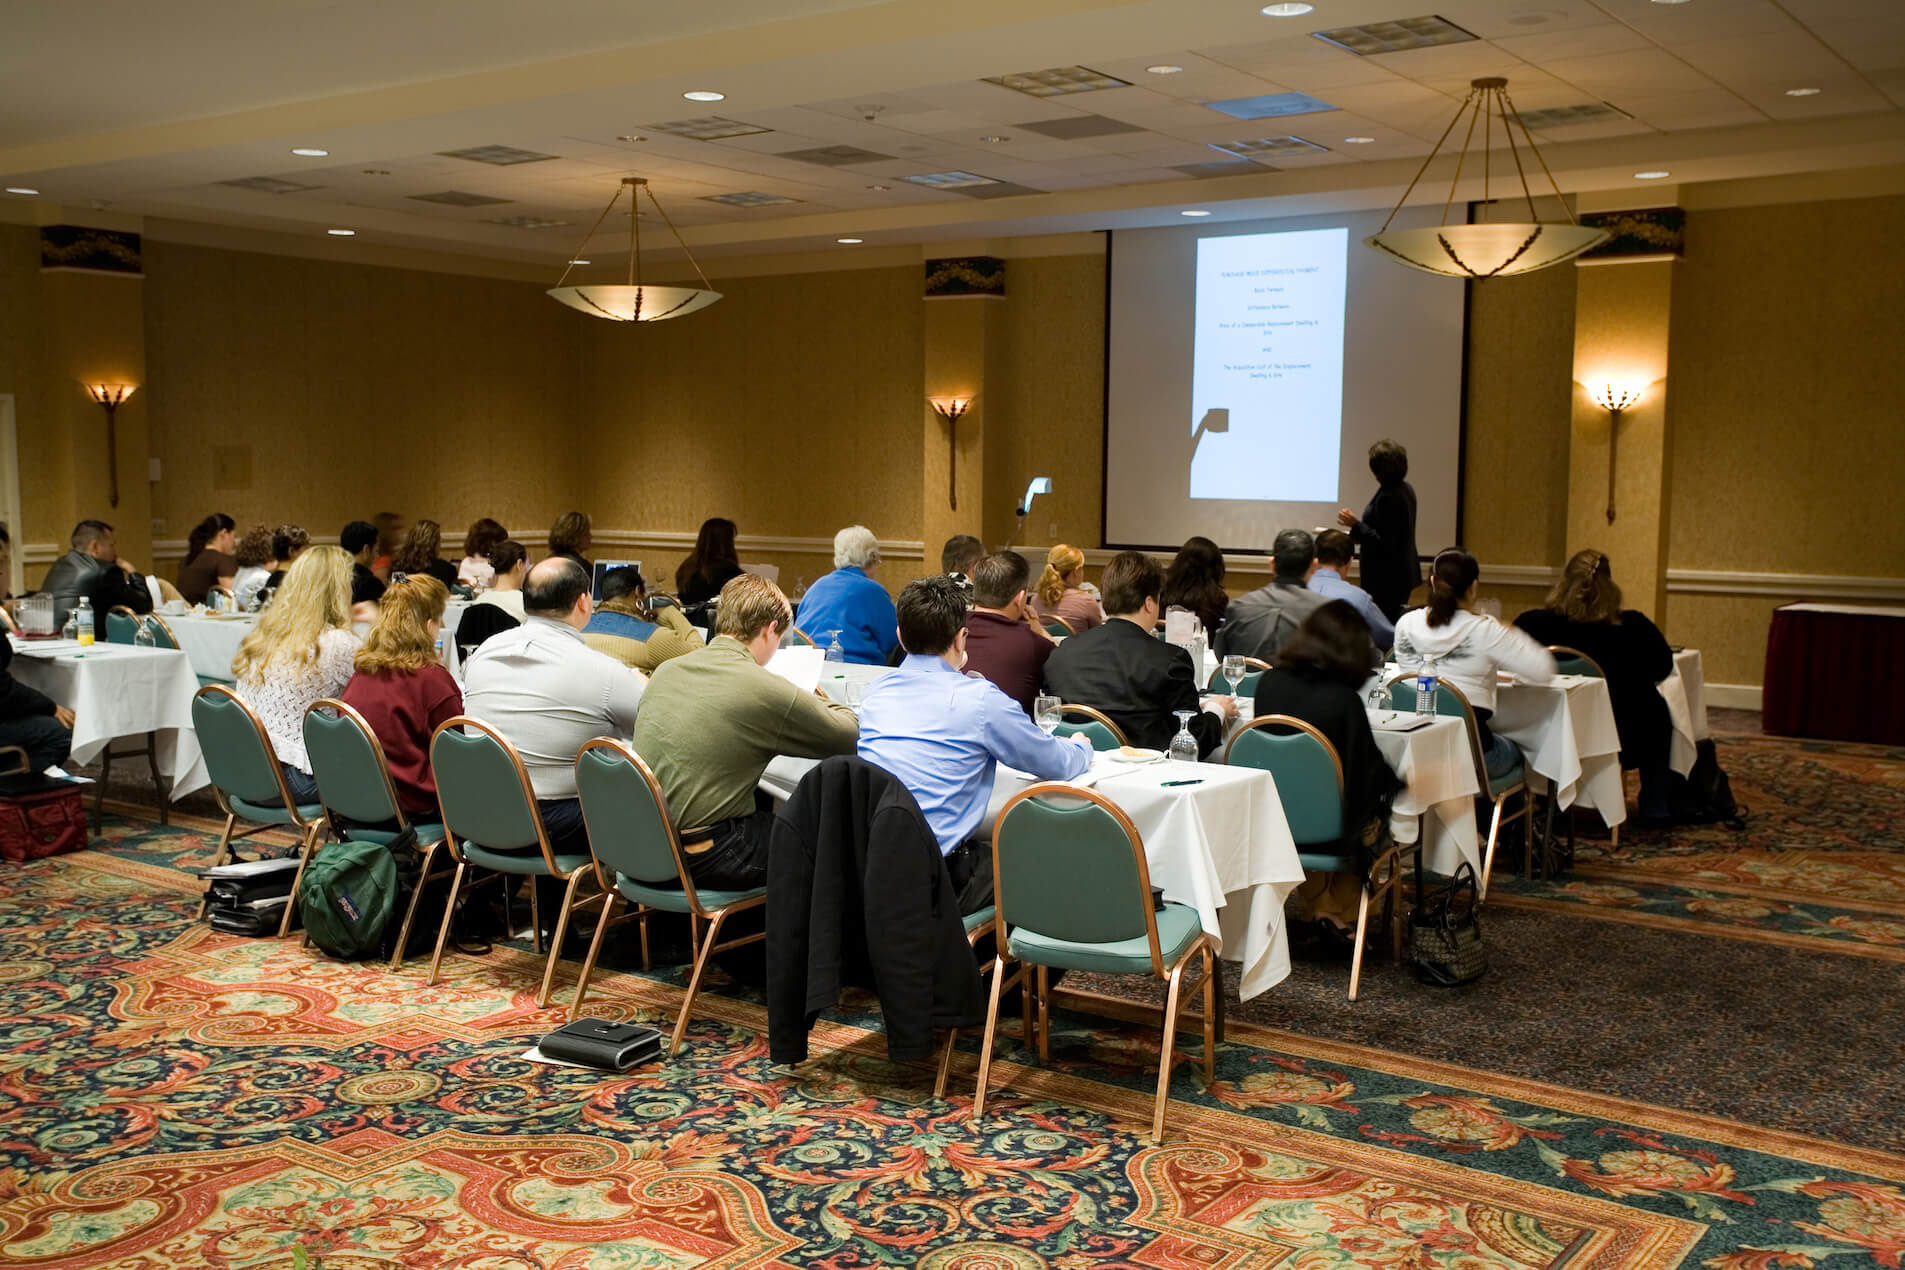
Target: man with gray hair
{"points": [[1257, 624], [850, 602]]}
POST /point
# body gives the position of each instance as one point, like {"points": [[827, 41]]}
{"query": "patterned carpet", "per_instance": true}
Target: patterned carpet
{"points": [[171, 1097]]}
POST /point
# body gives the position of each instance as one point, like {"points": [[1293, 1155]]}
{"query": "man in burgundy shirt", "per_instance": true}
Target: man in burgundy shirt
{"points": [[1003, 642]]}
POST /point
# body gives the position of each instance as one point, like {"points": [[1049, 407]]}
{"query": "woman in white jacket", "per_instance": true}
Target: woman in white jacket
{"points": [[1468, 648]]}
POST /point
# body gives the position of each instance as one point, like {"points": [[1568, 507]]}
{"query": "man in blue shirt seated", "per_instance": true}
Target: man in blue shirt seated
{"points": [[942, 732], [1334, 550], [850, 602]]}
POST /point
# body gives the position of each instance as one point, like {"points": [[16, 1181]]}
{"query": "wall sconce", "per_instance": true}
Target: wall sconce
{"points": [[109, 396], [1614, 398], [950, 409]]}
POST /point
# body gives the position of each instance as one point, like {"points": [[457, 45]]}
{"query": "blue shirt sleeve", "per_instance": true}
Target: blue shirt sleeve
{"points": [[1018, 742], [1381, 629]]}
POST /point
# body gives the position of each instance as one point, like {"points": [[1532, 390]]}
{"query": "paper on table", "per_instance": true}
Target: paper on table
{"points": [[800, 667]]}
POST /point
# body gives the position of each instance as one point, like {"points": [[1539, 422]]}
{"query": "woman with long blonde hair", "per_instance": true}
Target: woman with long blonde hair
{"points": [[402, 689], [1060, 592], [301, 650]]}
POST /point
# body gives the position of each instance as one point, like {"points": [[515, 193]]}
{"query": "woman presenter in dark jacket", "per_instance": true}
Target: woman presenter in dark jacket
{"points": [[1386, 531]]}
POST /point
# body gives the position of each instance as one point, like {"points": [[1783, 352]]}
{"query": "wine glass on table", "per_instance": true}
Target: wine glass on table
{"points": [[1184, 745], [834, 651], [1234, 667], [1048, 713]]}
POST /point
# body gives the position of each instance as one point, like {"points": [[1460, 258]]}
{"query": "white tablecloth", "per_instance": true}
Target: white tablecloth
{"points": [[1438, 794], [117, 690], [210, 642], [1686, 694], [1223, 847], [1566, 731]]}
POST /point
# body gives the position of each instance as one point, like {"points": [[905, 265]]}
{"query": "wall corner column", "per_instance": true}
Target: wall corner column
{"points": [[964, 298]]}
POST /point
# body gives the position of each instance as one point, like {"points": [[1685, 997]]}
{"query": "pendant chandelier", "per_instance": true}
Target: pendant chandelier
{"points": [[1489, 249], [634, 301]]}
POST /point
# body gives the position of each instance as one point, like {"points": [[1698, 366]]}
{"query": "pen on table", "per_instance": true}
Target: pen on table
{"points": [[1168, 784]]}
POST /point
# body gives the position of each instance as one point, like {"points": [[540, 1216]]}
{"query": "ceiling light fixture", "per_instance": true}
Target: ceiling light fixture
{"points": [[1486, 249], [703, 94], [580, 262], [341, 233], [879, 188], [1286, 10], [634, 302], [1653, 174], [20, 189], [1802, 92], [850, 242], [1357, 141], [309, 152], [1193, 211], [1670, 1], [1164, 70], [631, 136], [992, 140]]}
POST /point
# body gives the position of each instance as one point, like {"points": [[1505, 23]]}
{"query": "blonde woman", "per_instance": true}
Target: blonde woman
{"points": [[302, 649], [403, 692], [1060, 591]]}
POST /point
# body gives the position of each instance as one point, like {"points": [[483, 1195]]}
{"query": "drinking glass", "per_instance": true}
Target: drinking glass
{"points": [[1184, 745], [834, 651], [1047, 712], [1234, 667], [855, 692], [143, 636]]}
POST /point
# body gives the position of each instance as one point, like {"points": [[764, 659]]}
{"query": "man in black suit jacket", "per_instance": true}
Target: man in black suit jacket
{"points": [[1137, 679]]}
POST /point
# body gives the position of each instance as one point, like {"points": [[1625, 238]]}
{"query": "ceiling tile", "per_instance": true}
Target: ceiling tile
{"points": [[1874, 45], [1650, 70], [1715, 108], [1584, 41]]}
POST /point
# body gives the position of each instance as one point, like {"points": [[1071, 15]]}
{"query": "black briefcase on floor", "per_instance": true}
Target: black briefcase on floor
{"points": [[598, 1043]]}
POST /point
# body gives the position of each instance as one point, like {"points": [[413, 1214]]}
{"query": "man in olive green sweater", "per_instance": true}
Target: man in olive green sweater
{"points": [[709, 724]]}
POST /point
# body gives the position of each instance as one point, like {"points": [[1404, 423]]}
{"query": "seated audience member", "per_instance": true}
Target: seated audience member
{"points": [[1584, 613], [712, 564], [359, 541], [625, 628], [1318, 679], [1060, 592], [482, 537], [549, 693], [403, 692], [420, 552], [209, 561], [713, 719], [573, 535], [1136, 679], [1334, 551], [501, 607], [287, 544], [6, 573], [390, 535], [1386, 531], [942, 730], [93, 569], [301, 650], [255, 564], [957, 559], [1195, 581], [850, 602], [1003, 643], [30, 719], [1468, 648], [1261, 620]]}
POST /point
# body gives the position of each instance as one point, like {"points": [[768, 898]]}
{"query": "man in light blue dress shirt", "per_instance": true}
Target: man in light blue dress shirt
{"points": [[942, 733], [1333, 553]]}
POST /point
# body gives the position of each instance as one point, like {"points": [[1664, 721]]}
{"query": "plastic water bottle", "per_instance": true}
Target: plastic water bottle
{"points": [[440, 660], [1425, 687], [84, 614]]}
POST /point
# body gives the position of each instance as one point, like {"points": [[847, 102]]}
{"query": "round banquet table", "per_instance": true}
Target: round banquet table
{"points": [[117, 690]]}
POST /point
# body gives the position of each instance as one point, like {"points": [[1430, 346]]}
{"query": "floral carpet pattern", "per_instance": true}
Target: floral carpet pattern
{"points": [[1820, 864], [172, 1096]]}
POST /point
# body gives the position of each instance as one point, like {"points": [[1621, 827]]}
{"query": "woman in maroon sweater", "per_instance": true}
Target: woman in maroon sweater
{"points": [[403, 692]]}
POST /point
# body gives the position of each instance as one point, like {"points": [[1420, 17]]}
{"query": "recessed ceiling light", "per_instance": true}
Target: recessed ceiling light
{"points": [[1193, 211], [578, 262], [309, 152], [341, 233], [1802, 92], [1164, 70], [1670, 1], [1358, 141], [1286, 10], [20, 189], [849, 241], [879, 187], [705, 95], [376, 171], [1655, 174], [630, 136], [992, 139]]}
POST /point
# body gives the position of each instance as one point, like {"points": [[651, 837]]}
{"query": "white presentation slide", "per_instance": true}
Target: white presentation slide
{"points": [[1267, 366]]}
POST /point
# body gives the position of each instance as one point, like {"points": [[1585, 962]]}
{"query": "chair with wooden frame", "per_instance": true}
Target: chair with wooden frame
{"points": [[1056, 626], [122, 627], [1450, 701], [359, 797], [167, 592], [1304, 763], [638, 860], [491, 819], [248, 780], [1096, 724], [1073, 891], [794, 637], [1246, 683]]}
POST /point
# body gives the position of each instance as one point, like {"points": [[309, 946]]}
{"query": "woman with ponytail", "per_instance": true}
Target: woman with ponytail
{"points": [[1060, 593], [1468, 648], [209, 561]]}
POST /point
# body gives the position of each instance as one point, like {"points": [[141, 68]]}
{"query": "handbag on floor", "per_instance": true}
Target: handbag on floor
{"points": [[40, 815], [1445, 936]]}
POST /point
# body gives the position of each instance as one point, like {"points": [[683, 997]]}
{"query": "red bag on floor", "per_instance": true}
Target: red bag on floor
{"points": [[42, 819]]}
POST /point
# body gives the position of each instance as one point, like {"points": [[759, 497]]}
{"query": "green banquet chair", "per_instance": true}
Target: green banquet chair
{"points": [[1572, 661], [1104, 734], [1450, 701], [249, 783], [1074, 893], [1246, 683], [359, 798], [1056, 626]]}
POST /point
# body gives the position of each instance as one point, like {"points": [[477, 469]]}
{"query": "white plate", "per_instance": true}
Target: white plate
{"points": [[1136, 756]]}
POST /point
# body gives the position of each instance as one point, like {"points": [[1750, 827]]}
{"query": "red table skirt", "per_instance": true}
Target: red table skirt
{"points": [[1837, 676]]}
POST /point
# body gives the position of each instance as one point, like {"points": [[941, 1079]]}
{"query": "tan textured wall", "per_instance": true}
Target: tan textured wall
{"points": [[45, 462], [297, 390]]}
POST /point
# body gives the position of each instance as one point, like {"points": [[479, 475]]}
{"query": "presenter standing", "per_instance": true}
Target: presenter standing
{"points": [[1386, 531]]}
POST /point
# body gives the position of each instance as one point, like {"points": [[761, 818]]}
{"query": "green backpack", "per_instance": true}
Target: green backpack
{"points": [[347, 898]]}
